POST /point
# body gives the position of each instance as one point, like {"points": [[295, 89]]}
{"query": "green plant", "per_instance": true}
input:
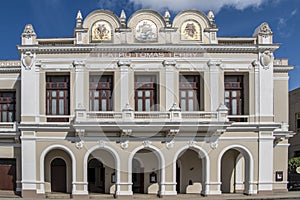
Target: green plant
{"points": [[294, 163]]}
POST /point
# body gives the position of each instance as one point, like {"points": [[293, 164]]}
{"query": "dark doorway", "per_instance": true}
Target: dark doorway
{"points": [[137, 177], [58, 175], [96, 176], [177, 178], [8, 174]]}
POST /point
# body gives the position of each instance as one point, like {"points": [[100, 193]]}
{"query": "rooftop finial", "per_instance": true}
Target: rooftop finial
{"points": [[79, 20], [123, 18], [28, 31], [79, 15], [167, 18], [211, 16]]}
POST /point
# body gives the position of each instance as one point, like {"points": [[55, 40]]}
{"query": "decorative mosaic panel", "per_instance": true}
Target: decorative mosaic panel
{"points": [[101, 31], [190, 30], [146, 31]]}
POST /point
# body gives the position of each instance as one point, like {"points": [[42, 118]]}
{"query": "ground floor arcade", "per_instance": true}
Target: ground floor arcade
{"points": [[153, 167]]}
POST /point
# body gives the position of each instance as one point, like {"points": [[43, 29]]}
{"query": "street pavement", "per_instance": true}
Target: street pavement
{"points": [[279, 196]]}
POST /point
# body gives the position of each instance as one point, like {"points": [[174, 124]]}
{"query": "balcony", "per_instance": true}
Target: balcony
{"points": [[88, 116], [8, 127], [9, 132], [148, 121]]}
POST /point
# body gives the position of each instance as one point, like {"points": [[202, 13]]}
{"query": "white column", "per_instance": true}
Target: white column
{"points": [[79, 84], [169, 83], [28, 161], [265, 163], [256, 88], [124, 83], [214, 75]]}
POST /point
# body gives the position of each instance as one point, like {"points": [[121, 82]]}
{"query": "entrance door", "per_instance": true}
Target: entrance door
{"points": [[58, 175], [138, 182], [96, 176], [7, 174], [137, 177]]}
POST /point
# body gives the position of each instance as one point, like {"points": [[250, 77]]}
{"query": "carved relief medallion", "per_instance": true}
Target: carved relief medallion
{"points": [[266, 59], [27, 60], [190, 30], [146, 31], [101, 31]]}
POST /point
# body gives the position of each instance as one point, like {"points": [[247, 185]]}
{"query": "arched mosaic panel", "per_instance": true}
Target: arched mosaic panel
{"points": [[190, 30], [101, 31], [146, 31]]}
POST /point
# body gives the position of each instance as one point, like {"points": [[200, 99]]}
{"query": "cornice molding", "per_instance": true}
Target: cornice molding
{"points": [[182, 48], [10, 66], [282, 69]]}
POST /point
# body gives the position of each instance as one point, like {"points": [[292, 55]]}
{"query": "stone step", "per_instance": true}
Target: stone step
{"points": [[58, 196], [145, 196], [101, 196]]}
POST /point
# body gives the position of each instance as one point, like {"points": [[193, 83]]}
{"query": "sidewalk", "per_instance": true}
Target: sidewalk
{"points": [[282, 196]]}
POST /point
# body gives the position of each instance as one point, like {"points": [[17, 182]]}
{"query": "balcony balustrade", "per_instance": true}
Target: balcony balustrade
{"points": [[170, 116]]}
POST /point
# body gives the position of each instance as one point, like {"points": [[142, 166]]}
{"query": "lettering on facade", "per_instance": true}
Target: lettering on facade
{"points": [[146, 55]]}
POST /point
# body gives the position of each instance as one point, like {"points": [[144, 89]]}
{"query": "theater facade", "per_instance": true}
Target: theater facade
{"points": [[144, 104]]}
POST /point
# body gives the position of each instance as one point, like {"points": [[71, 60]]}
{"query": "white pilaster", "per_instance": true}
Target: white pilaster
{"points": [[169, 84], [28, 161], [214, 73], [265, 163], [30, 82], [124, 82], [256, 87], [264, 89], [79, 84]]}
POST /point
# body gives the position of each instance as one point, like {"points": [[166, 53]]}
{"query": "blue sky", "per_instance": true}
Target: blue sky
{"points": [[56, 18]]}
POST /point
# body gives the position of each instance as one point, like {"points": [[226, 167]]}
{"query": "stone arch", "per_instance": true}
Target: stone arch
{"points": [[161, 162], [249, 164], [191, 14], [139, 15], [114, 154], [205, 165], [196, 19], [104, 18], [42, 164], [101, 14]]}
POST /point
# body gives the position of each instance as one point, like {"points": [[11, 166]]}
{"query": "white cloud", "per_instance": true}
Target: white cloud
{"points": [[283, 27], [215, 5]]}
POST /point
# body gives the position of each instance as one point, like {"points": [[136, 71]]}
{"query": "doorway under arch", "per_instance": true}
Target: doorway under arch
{"points": [[100, 172], [58, 175], [146, 172], [58, 171], [189, 169], [236, 171], [96, 176]]}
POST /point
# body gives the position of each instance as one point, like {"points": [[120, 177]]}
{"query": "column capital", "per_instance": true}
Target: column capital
{"points": [[124, 63], [256, 65], [78, 63], [169, 63], [214, 63]]}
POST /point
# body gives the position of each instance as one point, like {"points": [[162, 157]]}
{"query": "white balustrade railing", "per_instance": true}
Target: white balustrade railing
{"points": [[103, 116], [8, 126]]}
